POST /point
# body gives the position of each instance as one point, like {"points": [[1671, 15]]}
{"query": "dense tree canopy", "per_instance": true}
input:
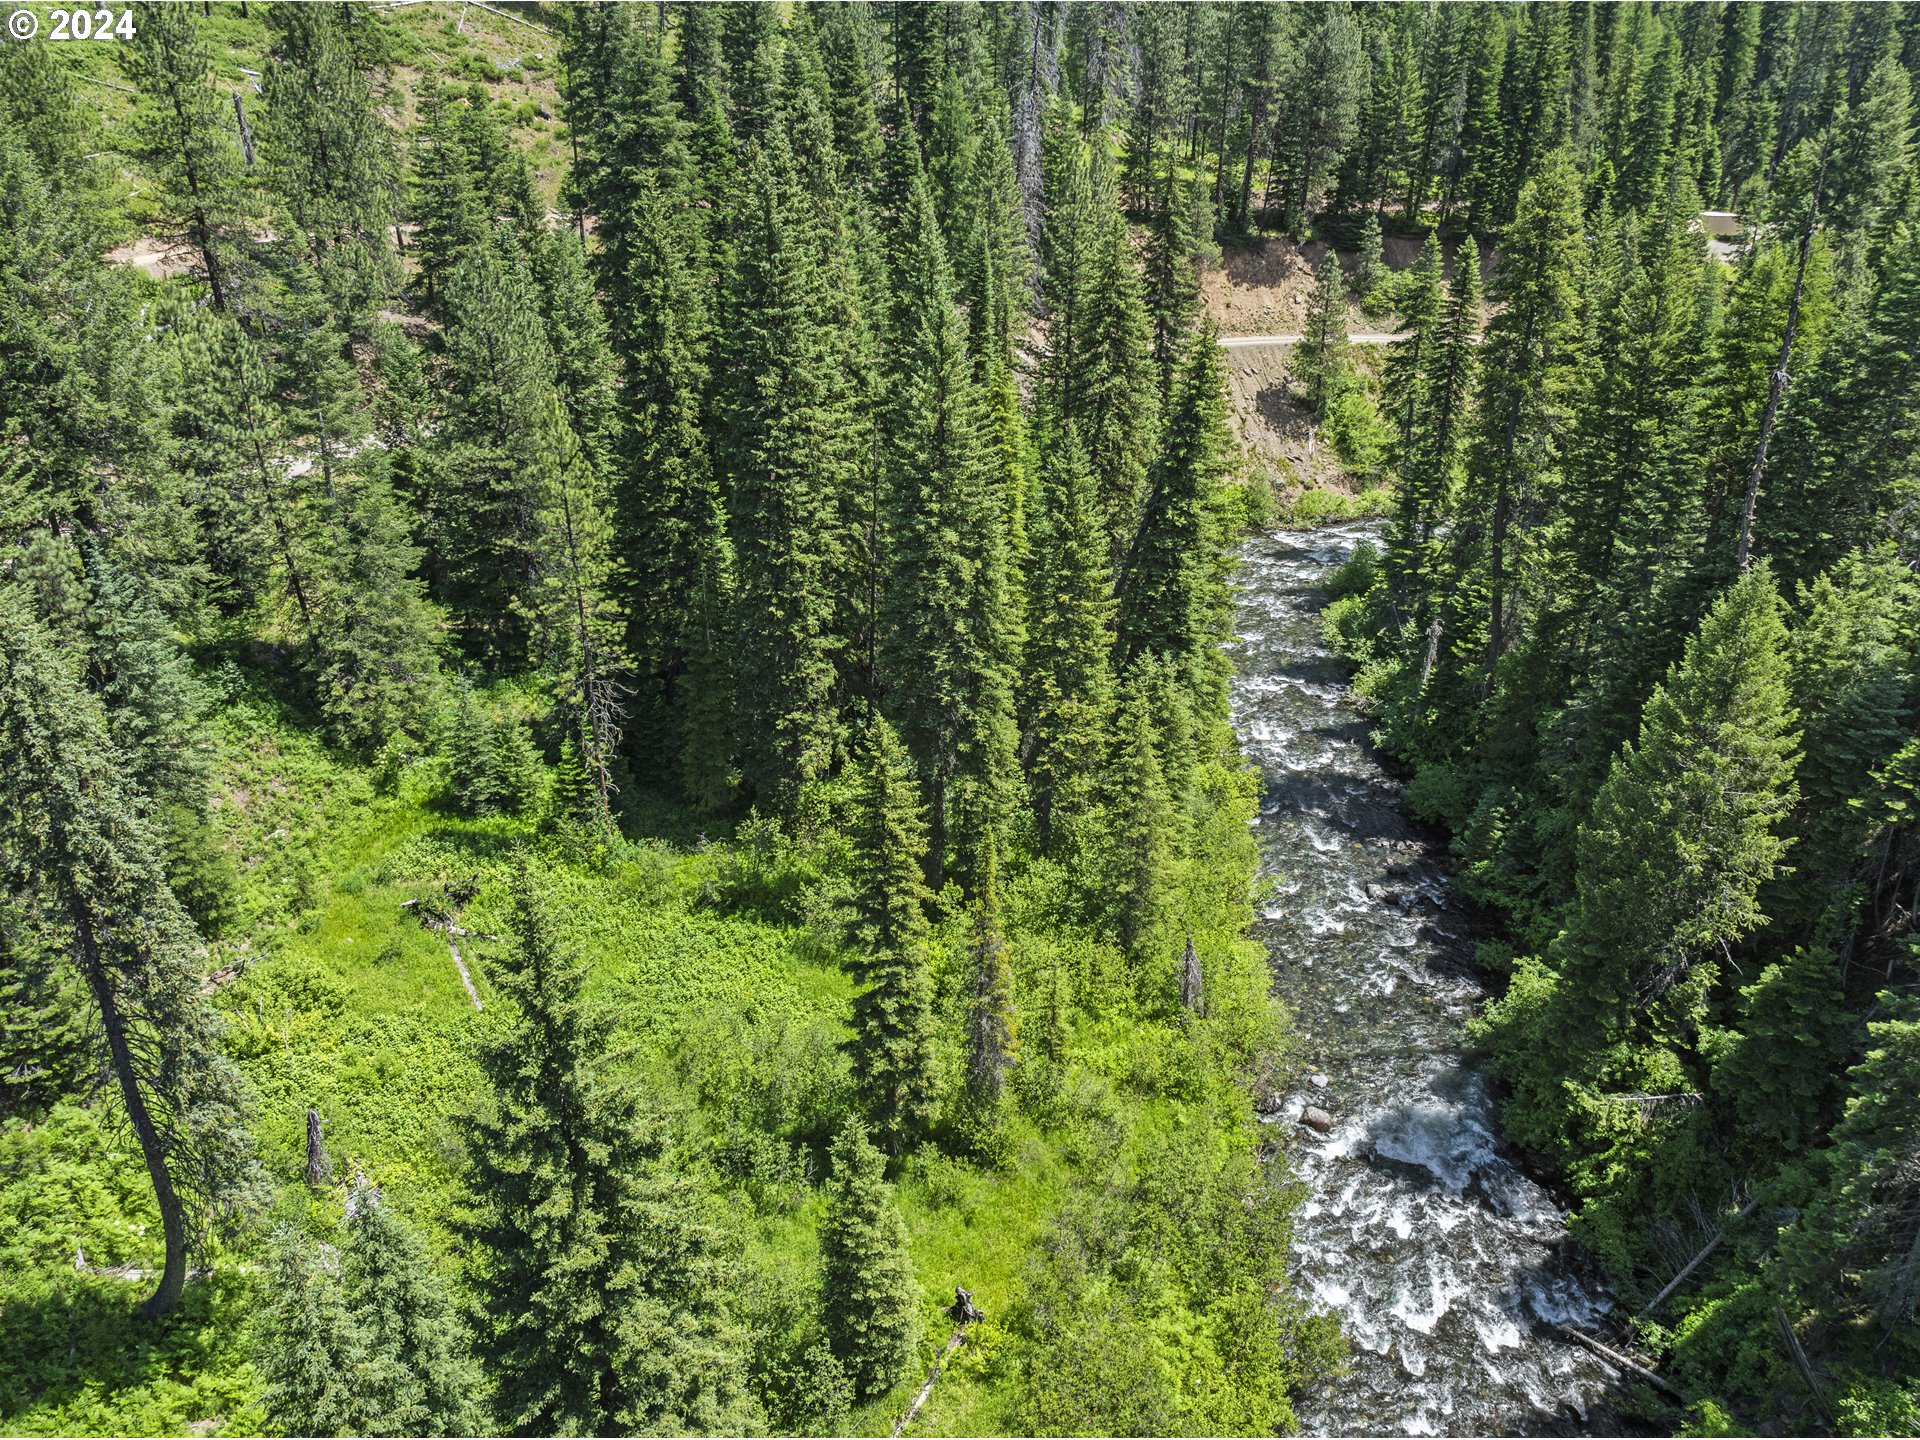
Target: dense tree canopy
{"points": [[742, 501]]}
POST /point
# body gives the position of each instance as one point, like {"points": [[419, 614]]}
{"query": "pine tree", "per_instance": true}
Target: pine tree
{"points": [[1173, 599], [75, 835], [1320, 360], [1421, 300], [1321, 93], [371, 636], [419, 1377], [569, 602], [327, 153], [1113, 390], [1429, 477], [1179, 234], [786, 417], [257, 517], [1098, 367], [73, 393], [1142, 823], [1857, 1251], [376, 638], [1370, 264], [473, 760], [584, 370], [1685, 830], [869, 1300], [312, 1352], [155, 710], [995, 271], [1526, 366], [1874, 146], [499, 449], [184, 140], [1850, 669], [1632, 487], [43, 113], [946, 645], [1847, 448], [670, 516], [602, 1275], [448, 210], [1777, 1070], [892, 1045], [1067, 681], [952, 155]]}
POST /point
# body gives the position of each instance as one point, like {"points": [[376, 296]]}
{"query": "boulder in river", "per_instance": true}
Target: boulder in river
{"points": [[1314, 1118]]}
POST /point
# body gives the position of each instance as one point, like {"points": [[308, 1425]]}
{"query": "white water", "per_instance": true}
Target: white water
{"points": [[1437, 1254]]}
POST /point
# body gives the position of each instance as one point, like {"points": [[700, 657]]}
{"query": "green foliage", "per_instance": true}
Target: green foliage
{"points": [[1320, 362], [602, 1269], [869, 1300], [1188, 1341], [710, 479], [787, 427], [946, 644], [892, 1019], [363, 1336], [1066, 674]]}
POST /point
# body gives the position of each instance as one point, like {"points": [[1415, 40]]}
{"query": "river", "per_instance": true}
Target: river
{"points": [[1438, 1255]]}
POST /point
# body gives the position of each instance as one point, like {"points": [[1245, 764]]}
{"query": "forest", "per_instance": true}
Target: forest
{"points": [[616, 770]]}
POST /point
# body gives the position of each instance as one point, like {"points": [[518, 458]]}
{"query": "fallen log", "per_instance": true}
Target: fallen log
{"points": [[1693, 1264], [959, 1338], [1608, 1353]]}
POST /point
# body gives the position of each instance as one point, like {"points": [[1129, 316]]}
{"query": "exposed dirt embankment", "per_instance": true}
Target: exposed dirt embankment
{"points": [[1264, 289]]}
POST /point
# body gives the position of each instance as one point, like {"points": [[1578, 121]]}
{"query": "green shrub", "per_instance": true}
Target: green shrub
{"points": [[1358, 574]]}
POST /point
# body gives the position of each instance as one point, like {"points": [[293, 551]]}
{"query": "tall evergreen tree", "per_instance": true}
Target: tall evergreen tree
{"points": [[184, 139], [75, 834], [500, 452], [312, 1352], [1173, 600], [892, 1043], [328, 155], [1142, 821], [1320, 360], [421, 1379], [869, 1300], [946, 651], [603, 1276], [785, 413], [1526, 367], [670, 514], [1670, 864], [570, 602], [1067, 681], [1112, 389], [1442, 391]]}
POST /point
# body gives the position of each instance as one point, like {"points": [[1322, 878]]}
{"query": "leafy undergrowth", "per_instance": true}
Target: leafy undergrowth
{"points": [[722, 965]]}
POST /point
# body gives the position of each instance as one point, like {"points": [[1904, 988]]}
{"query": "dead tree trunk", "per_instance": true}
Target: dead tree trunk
{"points": [[173, 1213], [1190, 988], [246, 135], [1778, 381], [1693, 1264], [319, 1168]]}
